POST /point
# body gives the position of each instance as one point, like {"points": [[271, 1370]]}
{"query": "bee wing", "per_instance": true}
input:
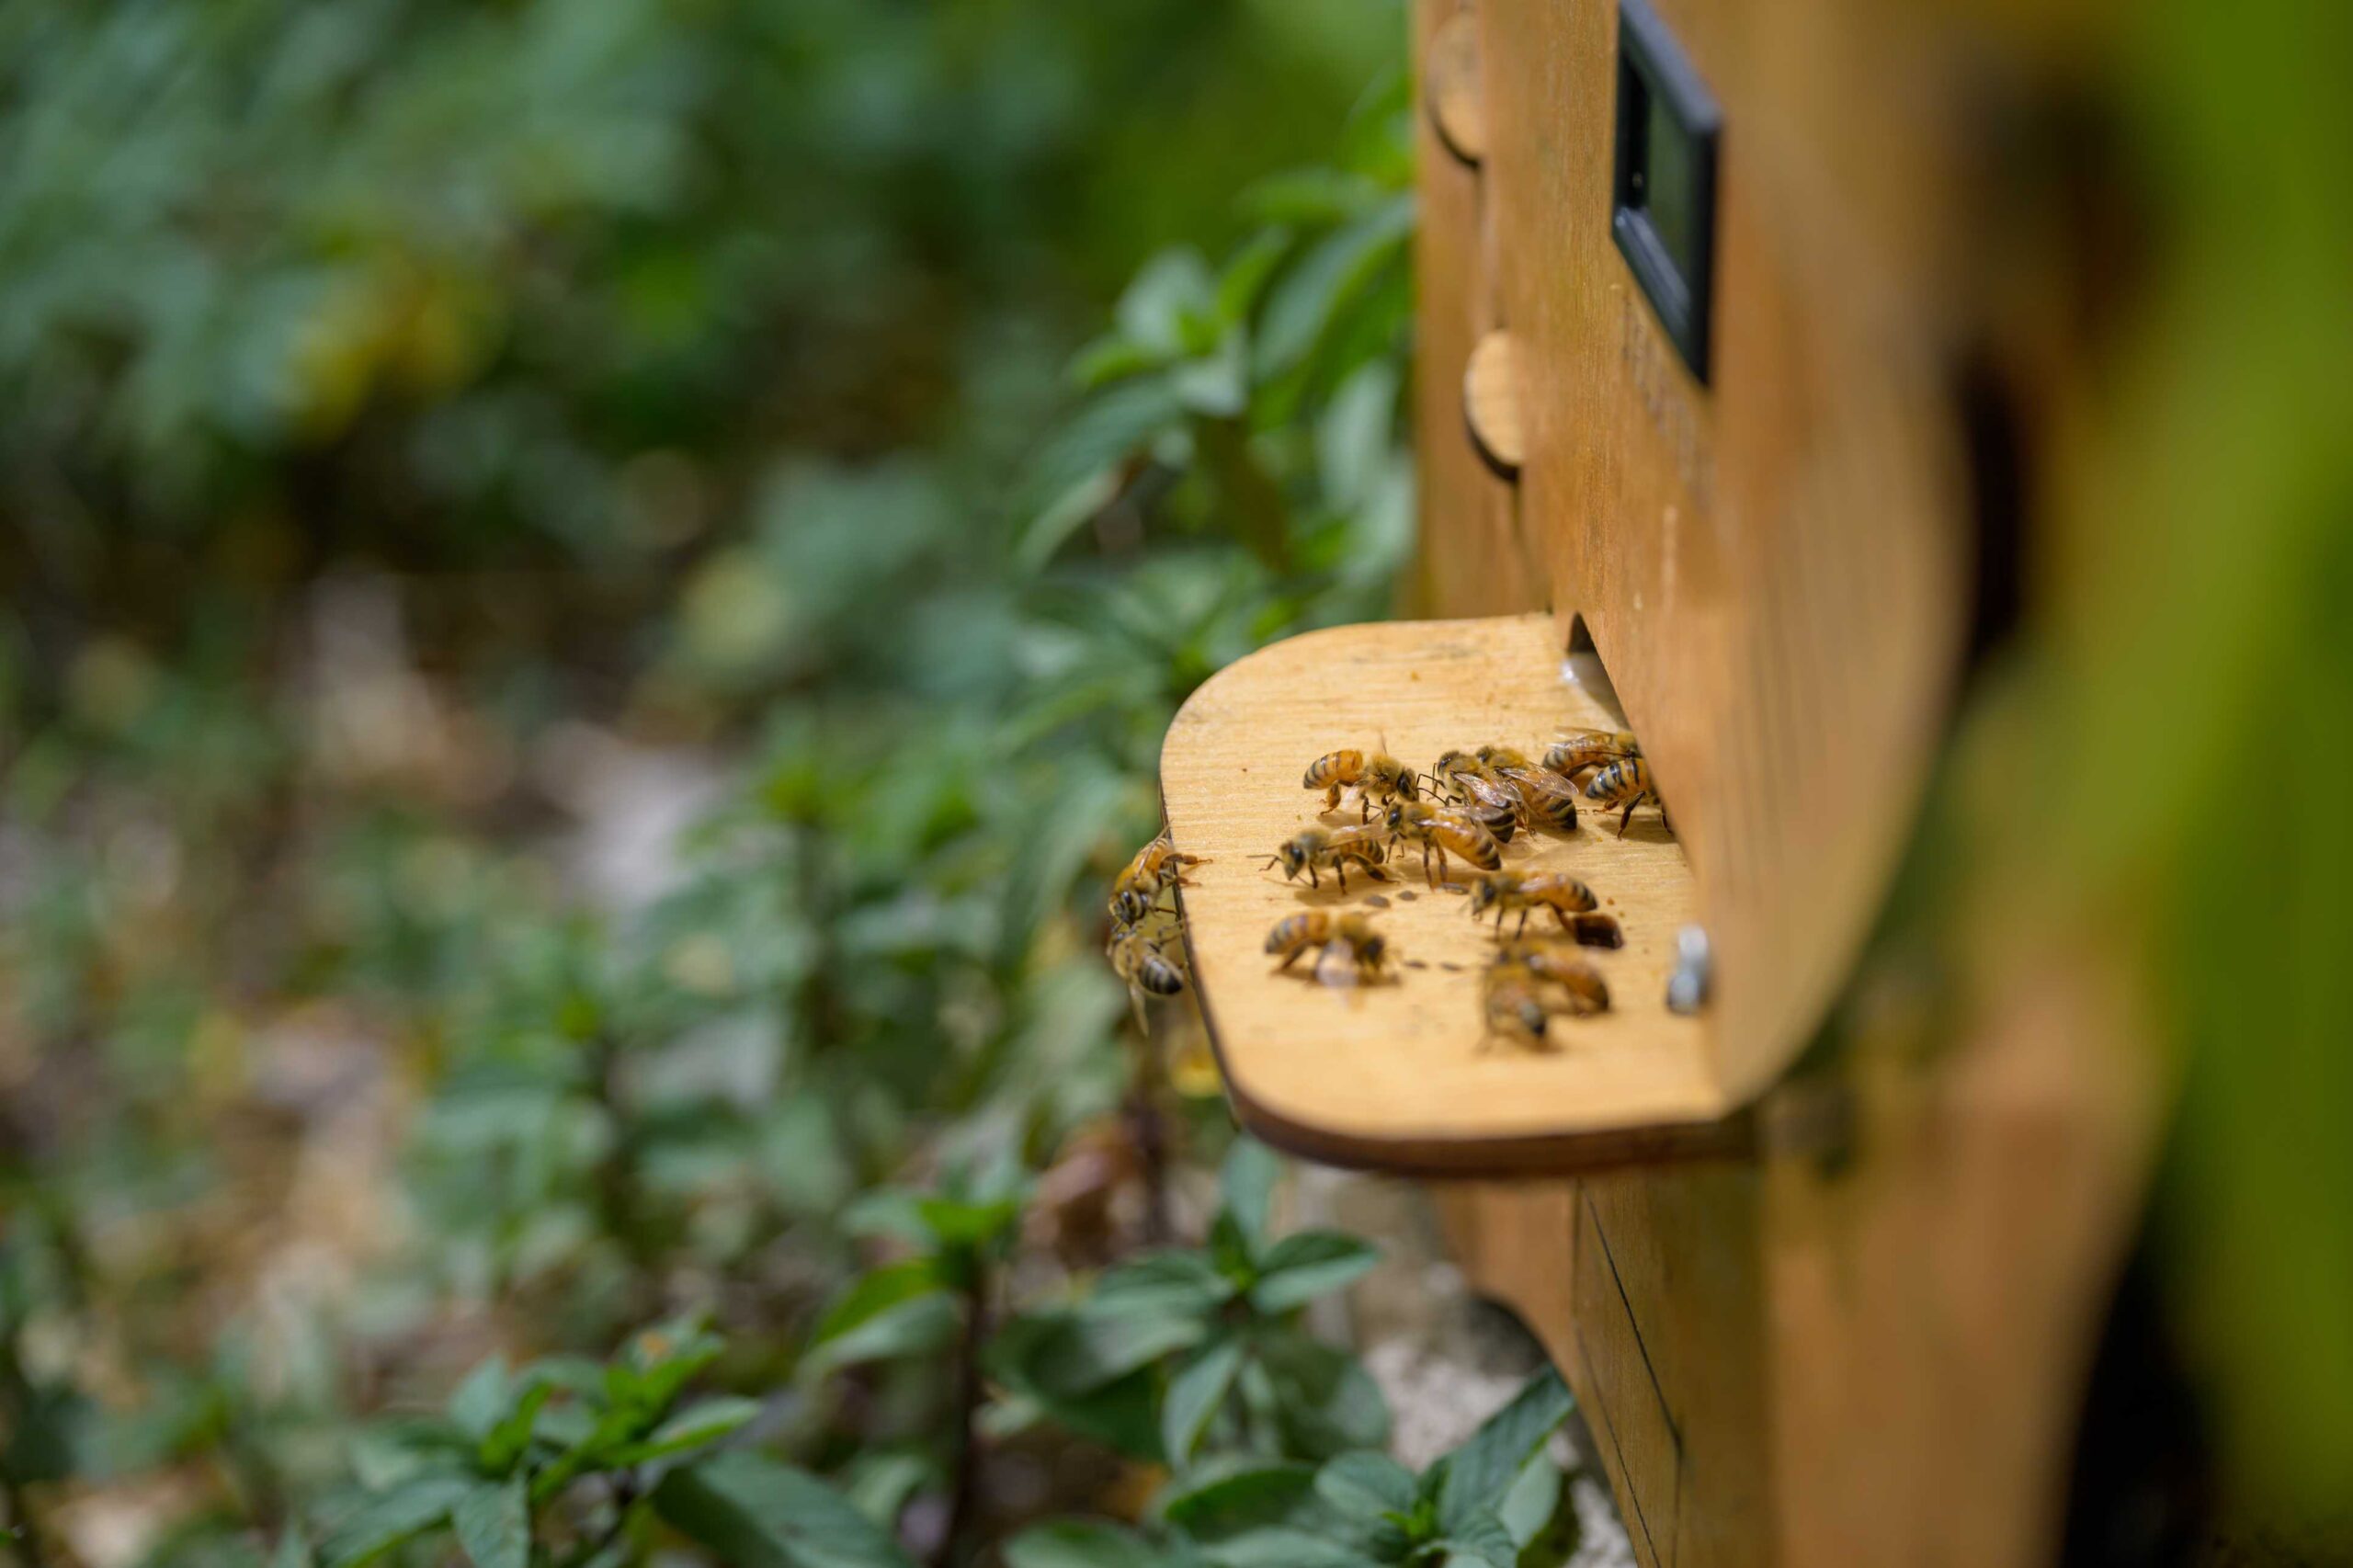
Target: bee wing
{"points": [[1335, 965]]}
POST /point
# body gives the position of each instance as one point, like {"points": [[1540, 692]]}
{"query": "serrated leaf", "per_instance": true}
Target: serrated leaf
{"points": [[1479, 1472], [1306, 1264], [755, 1513], [385, 1521], [494, 1524], [1195, 1395]]}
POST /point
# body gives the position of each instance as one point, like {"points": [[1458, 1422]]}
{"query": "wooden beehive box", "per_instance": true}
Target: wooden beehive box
{"points": [[1692, 462]]}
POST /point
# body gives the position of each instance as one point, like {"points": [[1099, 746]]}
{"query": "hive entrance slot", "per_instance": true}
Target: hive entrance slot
{"points": [[1395, 1075]]}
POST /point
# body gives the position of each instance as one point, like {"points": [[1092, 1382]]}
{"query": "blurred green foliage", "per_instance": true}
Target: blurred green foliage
{"points": [[427, 422]]}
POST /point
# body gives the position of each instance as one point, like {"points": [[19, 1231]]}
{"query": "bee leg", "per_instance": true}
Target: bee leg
{"points": [[1313, 880], [1340, 869], [1442, 872], [1623, 817], [1522, 929], [1135, 1000]]}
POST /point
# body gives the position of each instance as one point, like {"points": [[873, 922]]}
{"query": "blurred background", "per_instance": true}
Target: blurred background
{"points": [[594, 591]]}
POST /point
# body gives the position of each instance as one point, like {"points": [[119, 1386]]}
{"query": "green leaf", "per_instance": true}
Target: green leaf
{"points": [[1169, 295], [1081, 1543], [479, 1399], [925, 1325], [293, 1551], [874, 1293], [1533, 1500], [1174, 1283], [1367, 1485], [1324, 1401], [1075, 471], [704, 1422], [1483, 1539], [1248, 1513], [1112, 358], [1121, 1411], [511, 1438], [963, 1223], [383, 1522], [1195, 1395], [1246, 272], [1247, 1184], [1307, 298], [755, 1513], [1479, 1472], [1306, 1264], [494, 1524]]}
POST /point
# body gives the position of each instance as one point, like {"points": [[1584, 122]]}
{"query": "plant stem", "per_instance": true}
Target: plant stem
{"points": [[1150, 1134], [964, 1484]]}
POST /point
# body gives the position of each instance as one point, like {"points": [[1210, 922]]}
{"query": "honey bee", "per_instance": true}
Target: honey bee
{"points": [[1365, 947], [1157, 867], [1375, 776], [1579, 987], [1142, 959], [1474, 786], [1546, 799], [1586, 751], [1626, 782], [1503, 892], [1436, 828], [1512, 1002], [1335, 847]]}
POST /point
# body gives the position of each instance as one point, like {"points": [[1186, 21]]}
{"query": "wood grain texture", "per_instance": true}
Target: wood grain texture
{"points": [[1770, 565], [1871, 1349], [1481, 564], [1395, 1074]]}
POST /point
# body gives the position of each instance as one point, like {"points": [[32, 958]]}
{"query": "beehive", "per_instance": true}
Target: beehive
{"points": [[1688, 424]]}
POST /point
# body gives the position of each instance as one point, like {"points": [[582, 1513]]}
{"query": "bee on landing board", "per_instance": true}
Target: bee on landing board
{"points": [[1474, 786], [1142, 960], [1546, 799], [1332, 849], [1375, 776], [1157, 867], [1438, 829], [1512, 1003], [1527, 892], [1626, 783], [1348, 938], [1587, 750], [1579, 988]]}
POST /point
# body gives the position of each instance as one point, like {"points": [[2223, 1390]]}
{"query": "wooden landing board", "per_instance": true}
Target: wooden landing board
{"points": [[1393, 1076]]}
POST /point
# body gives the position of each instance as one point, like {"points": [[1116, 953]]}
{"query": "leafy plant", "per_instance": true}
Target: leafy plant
{"points": [[1215, 1332]]}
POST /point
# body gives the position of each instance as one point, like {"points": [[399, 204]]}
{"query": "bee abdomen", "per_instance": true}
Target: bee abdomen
{"points": [[1337, 766], [1159, 976]]}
